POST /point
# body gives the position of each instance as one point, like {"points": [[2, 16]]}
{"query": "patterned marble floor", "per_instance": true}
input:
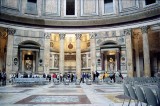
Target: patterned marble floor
{"points": [[63, 95]]}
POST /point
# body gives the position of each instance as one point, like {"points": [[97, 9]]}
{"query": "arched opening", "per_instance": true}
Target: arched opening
{"points": [[28, 56]]}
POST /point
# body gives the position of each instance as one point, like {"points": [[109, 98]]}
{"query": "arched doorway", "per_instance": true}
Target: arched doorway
{"points": [[110, 55], [28, 56]]}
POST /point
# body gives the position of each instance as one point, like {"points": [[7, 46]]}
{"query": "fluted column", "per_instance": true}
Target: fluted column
{"points": [[129, 52], [136, 45], [61, 58], [146, 55], [9, 60], [78, 55], [93, 52], [46, 52]]}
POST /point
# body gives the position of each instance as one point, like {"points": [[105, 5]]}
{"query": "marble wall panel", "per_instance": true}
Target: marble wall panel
{"points": [[51, 7], [89, 7], [10, 3]]}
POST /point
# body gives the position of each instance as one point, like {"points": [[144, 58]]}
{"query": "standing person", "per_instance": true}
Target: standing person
{"points": [[44, 75], [17, 75], [69, 76], [103, 77], [4, 76], [94, 75], [120, 75], [72, 76], [81, 80], [54, 76], [97, 75], [75, 77], [61, 77]]}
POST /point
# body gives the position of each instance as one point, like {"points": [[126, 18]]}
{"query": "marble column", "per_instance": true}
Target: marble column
{"points": [[9, 60], [93, 51], [129, 52], [61, 58], [136, 45], [46, 52], [146, 55], [78, 55]]}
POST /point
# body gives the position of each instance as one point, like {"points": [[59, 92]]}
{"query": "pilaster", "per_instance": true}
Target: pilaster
{"points": [[61, 61], [9, 60], [78, 55], [146, 55], [93, 51], [129, 52], [46, 52]]}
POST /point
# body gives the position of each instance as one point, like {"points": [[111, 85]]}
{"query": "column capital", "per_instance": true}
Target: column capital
{"points": [[127, 32], [78, 35], [47, 35], [61, 35], [93, 35], [144, 29], [11, 31]]}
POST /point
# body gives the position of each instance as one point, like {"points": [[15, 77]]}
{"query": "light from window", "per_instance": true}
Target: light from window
{"points": [[108, 6], [31, 7], [32, 1], [70, 7], [148, 2]]}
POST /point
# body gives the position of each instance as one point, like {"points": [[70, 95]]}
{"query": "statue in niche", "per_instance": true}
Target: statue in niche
{"points": [[28, 64], [83, 61], [56, 61], [111, 64]]}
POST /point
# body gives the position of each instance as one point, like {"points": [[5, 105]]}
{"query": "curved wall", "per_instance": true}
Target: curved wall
{"points": [[87, 12]]}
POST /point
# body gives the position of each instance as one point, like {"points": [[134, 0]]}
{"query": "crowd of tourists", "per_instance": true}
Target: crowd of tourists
{"points": [[72, 77]]}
